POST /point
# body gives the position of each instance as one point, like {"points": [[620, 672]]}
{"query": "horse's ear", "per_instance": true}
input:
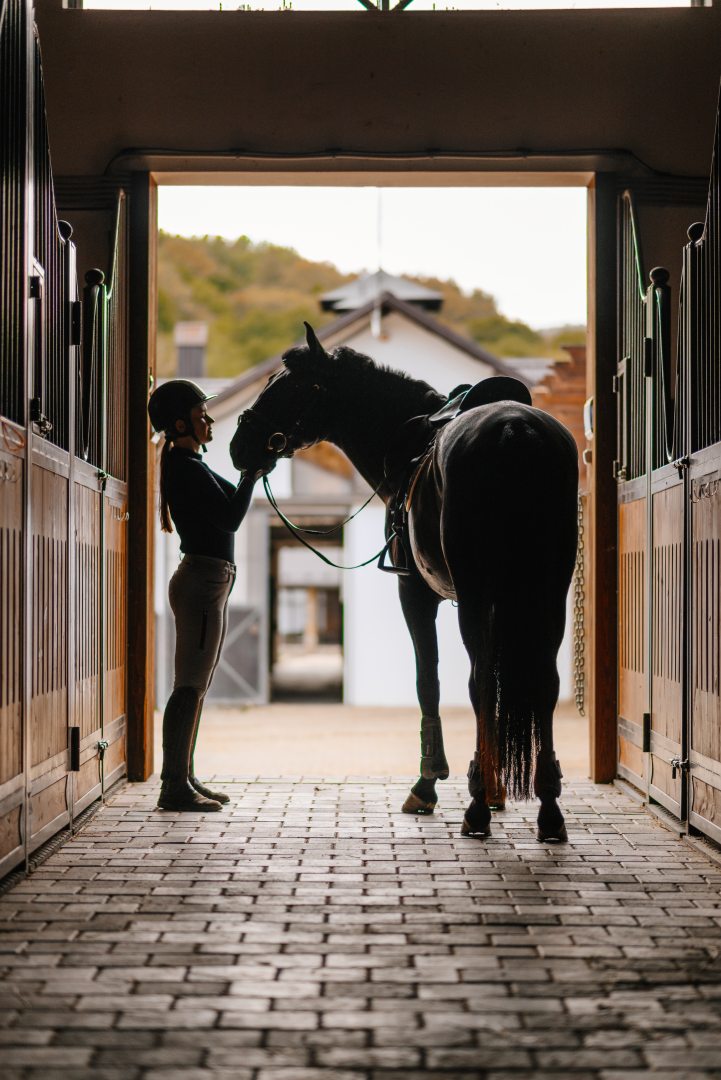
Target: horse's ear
{"points": [[314, 346], [301, 359]]}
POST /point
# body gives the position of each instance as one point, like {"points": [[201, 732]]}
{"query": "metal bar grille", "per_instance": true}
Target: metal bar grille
{"points": [[88, 436], [632, 413], [704, 315], [51, 374], [12, 210], [116, 338]]}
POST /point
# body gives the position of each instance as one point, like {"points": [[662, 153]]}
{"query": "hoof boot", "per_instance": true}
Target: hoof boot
{"points": [[414, 805], [216, 796], [476, 821]]}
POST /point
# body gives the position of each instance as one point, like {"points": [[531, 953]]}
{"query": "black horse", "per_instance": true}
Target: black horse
{"points": [[491, 523]]}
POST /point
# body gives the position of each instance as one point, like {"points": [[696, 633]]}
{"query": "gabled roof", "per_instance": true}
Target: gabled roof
{"points": [[369, 288], [387, 302]]}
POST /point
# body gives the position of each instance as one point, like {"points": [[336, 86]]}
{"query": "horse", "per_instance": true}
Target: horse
{"points": [[491, 524]]}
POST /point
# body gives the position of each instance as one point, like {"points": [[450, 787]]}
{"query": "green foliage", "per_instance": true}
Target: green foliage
{"points": [[254, 298]]}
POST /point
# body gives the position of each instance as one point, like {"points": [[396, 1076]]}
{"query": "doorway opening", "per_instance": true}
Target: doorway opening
{"points": [[234, 287]]}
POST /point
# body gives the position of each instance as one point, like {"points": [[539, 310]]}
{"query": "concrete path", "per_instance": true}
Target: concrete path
{"points": [[329, 739], [312, 932]]}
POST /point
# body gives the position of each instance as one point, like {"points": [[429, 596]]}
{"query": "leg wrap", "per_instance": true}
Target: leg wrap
{"points": [[433, 758], [547, 780]]}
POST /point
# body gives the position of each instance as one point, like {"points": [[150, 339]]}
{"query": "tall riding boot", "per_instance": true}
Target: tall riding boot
{"points": [[218, 796], [176, 792]]}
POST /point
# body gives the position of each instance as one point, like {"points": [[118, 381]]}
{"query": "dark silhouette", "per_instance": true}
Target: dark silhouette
{"points": [[491, 523]]}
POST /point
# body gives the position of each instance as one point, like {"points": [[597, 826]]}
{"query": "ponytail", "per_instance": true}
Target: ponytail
{"points": [[166, 524]]}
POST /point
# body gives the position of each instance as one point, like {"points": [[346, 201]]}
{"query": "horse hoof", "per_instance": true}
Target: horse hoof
{"points": [[550, 823], [414, 805], [476, 821], [467, 829], [552, 836]]}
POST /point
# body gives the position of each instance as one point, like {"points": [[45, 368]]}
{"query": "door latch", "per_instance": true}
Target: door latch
{"points": [[678, 764]]}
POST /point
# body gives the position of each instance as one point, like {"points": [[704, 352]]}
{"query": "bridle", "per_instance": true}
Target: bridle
{"points": [[279, 442]]}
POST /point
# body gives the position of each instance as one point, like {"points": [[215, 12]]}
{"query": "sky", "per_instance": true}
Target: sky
{"points": [[525, 246]]}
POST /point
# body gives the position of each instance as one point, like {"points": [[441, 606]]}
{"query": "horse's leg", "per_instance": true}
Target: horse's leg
{"points": [[477, 818], [551, 619], [547, 778], [420, 608]]}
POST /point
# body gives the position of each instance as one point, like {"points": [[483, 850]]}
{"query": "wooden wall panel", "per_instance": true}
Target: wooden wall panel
{"points": [[48, 706], [667, 645], [632, 692], [86, 621], [705, 705], [12, 559], [11, 622], [116, 528]]}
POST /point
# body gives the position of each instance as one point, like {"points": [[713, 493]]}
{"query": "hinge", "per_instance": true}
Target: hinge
{"points": [[646, 733], [648, 357], [619, 471], [76, 322], [74, 733]]}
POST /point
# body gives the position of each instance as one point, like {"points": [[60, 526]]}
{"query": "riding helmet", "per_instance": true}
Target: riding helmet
{"points": [[173, 400]]}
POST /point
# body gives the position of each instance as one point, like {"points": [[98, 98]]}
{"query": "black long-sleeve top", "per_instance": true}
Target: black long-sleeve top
{"points": [[206, 508]]}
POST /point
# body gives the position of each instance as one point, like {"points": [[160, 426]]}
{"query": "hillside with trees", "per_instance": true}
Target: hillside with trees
{"points": [[255, 296]]}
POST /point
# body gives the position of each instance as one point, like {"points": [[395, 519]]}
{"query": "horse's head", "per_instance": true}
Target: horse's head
{"points": [[289, 413]]}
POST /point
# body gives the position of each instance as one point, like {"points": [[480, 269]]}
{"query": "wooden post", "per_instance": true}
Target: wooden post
{"points": [[603, 513], [141, 634]]}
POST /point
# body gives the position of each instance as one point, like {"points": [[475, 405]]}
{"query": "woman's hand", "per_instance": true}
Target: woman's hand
{"points": [[265, 469]]}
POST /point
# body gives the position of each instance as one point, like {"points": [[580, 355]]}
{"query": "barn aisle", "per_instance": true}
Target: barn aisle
{"points": [[311, 931]]}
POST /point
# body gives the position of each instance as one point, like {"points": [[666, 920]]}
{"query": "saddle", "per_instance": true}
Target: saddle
{"points": [[415, 443], [465, 397]]}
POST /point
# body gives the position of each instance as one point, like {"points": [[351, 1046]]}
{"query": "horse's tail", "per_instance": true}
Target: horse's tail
{"points": [[512, 596]]}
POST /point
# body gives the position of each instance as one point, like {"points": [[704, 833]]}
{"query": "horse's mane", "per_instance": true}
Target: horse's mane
{"points": [[369, 377]]}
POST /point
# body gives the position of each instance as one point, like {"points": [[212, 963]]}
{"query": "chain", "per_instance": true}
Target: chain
{"points": [[579, 618]]}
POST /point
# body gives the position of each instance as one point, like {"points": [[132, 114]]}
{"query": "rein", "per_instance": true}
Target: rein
{"points": [[296, 530], [278, 442]]}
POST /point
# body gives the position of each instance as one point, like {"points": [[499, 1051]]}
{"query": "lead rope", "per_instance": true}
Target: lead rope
{"points": [[296, 530], [579, 617]]}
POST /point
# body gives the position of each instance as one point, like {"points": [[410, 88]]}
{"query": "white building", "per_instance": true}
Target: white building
{"points": [[319, 487]]}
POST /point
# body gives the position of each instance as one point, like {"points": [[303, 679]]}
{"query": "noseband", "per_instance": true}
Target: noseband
{"points": [[277, 442]]}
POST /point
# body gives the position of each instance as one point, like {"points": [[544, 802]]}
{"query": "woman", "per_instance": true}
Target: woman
{"points": [[206, 510]]}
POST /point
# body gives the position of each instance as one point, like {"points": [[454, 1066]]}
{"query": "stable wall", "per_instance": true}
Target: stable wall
{"points": [[625, 86]]}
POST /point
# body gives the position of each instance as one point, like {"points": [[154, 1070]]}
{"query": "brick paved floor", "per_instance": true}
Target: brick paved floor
{"points": [[312, 932]]}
